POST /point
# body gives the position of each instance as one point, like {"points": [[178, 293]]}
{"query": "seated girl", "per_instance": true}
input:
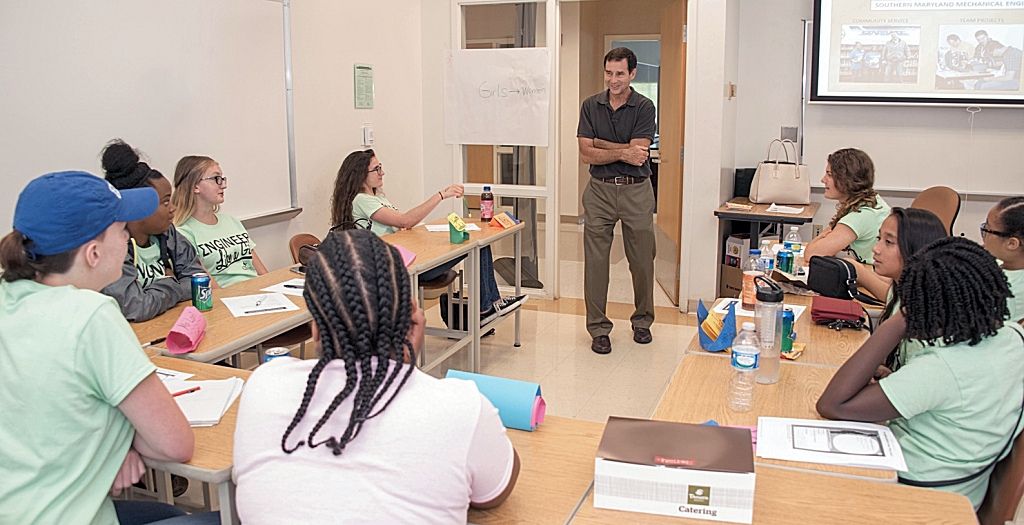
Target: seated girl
{"points": [[390, 443], [904, 233], [80, 404], [955, 405], [850, 179], [225, 248], [157, 272], [358, 199], [1002, 234]]}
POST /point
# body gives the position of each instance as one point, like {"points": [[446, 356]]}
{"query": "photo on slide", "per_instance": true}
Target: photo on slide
{"points": [[983, 57], [879, 54]]}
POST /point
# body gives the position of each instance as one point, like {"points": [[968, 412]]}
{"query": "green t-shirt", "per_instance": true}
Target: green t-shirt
{"points": [[68, 359], [147, 263], [865, 222], [225, 249], [958, 405], [365, 205], [1016, 303]]}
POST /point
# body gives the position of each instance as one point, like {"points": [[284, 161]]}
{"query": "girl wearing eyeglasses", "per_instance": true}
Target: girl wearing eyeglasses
{"points": [[225, 248], [1002, 234]]}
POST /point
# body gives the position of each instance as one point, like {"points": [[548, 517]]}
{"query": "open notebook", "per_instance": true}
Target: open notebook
{"points": [[206, 406]]}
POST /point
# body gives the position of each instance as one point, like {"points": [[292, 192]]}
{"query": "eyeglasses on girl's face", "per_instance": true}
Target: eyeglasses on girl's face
{"points": [[379, 169], [358, 224], [985, 231], [217, 179]]}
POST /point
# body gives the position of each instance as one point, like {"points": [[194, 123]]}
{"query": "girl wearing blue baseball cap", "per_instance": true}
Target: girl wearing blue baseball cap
{"points": [[80, 404]]}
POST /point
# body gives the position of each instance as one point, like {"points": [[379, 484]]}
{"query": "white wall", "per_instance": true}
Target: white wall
{"points": [[328, 37], [569, 86]]}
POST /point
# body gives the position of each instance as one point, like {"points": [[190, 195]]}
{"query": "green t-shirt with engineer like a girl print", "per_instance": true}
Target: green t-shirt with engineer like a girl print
{"points": [[225, 249], [147, 263]]}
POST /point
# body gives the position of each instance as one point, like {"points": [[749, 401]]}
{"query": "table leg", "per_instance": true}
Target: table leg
{"points": [[415, 278], [226, 495], [473, 271], [164, 490], [519, 279], [755, 231]]}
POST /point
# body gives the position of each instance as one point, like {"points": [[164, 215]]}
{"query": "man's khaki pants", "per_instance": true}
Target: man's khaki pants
{"points": [[605, 204]]}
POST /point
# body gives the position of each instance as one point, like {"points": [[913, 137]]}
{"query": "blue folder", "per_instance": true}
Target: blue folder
{"points": [[515, 400]]}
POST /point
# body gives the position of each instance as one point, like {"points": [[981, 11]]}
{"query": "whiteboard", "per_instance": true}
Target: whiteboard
{"points": [[497, 96], [187, 77]]}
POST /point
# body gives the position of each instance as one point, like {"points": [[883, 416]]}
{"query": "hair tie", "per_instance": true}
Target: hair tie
{"points": [[27, 245]]}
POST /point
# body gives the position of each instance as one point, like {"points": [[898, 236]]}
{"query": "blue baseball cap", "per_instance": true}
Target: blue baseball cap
{"points": [[59, 212]]}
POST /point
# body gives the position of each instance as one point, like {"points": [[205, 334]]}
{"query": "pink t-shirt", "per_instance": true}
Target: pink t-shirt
{"points": [[439, 445]]}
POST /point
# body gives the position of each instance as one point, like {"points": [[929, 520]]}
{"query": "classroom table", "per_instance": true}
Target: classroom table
{"points": [[792, 496], [227, 335], [699, 392], [556, 469], [433, 249], [825, 346], [213, 459], [759, 213]]}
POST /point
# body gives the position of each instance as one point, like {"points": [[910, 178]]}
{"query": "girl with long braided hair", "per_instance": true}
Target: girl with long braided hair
{"points": [[392, 443], [850, 180], [956, 404], [1002, 234]]}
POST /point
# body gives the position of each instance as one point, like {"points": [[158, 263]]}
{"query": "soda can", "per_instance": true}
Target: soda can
{"points": [[787, 330], [274, 353], [785, 263], [202, 292]]}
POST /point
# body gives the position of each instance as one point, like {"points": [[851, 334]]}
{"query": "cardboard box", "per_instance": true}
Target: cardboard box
{"points": [[675, 469], [731, 283], [737, 247]]}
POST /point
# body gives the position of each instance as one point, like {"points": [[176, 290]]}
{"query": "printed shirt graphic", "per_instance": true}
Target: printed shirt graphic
{"points": [[225, 248], [147, 263]]}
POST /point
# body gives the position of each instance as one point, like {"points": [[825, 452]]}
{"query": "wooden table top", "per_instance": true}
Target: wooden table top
{"points": [[214, 452], [760, 212], [434, 248], [699, 392], [825, 346], [225, 333], [557, 466], [792, 496]]}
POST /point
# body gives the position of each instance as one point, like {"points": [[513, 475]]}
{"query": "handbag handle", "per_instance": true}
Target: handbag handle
{"points": [[796, 157], [772, 145]]}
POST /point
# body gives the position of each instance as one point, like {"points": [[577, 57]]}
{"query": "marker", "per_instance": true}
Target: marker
{"points": [[154, 342], [266, 310], [183, 392]]}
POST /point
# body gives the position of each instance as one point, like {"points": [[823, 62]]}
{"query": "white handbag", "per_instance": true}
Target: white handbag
{"points": [[781, 182]]}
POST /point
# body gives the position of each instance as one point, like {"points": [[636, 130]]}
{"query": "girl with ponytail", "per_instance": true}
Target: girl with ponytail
{"points": [[362, 419]]}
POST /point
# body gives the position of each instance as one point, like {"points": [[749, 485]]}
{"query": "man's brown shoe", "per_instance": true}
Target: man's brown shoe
{"points": [[642, 335], [601, 345]]}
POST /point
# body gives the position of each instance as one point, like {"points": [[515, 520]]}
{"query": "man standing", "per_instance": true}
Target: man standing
{"points": [[857, 61], [893, 55], [616, 128]]}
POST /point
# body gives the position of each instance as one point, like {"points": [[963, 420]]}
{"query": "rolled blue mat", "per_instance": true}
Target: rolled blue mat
{"points": [[519, 403]]}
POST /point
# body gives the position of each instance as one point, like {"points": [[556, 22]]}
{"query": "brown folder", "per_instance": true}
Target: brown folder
{"points": [[700, 447]]}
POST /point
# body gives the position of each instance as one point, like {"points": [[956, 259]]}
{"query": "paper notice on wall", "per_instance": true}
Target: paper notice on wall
{"points": [[497, 96]]}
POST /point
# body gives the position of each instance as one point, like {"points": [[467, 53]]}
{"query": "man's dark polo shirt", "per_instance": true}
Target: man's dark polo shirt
{"points": [[634, 120]]}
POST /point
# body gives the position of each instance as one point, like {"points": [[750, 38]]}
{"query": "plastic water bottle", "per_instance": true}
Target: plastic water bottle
{"points": [[768, 323], [746, 356], [486, 204], [751, 268], [767, 257], [792, 241]]}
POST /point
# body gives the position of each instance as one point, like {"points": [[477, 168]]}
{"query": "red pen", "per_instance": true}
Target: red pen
{"points": [[189, 391]]}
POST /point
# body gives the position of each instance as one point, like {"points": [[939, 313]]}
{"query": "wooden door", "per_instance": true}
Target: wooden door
{"points": [[479, 159], [670, 172]]}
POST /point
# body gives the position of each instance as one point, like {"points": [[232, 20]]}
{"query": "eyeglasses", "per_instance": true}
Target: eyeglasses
{"points": [[358, 224], [217, 179], [985, 231], [379, 169]]}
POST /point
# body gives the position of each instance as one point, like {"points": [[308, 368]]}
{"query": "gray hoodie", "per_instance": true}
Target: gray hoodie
{"points": [[140, 304]]}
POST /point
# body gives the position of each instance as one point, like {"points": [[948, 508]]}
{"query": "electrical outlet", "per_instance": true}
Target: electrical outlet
{"points": [[817, 229]]}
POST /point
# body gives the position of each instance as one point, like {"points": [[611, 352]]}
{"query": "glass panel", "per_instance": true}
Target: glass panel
{"points": [[648, 67], [534, 252]]}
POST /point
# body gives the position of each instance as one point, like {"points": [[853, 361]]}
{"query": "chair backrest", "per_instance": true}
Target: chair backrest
{"points": [[298, 241], [1005, 488], [943, 201]]}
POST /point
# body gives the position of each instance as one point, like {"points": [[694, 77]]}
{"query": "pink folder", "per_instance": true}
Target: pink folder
{"points": [[407, 256], [187, 332]]}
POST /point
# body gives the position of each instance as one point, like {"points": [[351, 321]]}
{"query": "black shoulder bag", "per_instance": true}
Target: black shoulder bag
{"points": [[957, 481], [837, 278]]}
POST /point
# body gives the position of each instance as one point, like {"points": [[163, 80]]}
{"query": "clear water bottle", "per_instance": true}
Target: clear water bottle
{"points": [[752, 268], [767, 257], [792, 241], [768, 319], [746, 356]]}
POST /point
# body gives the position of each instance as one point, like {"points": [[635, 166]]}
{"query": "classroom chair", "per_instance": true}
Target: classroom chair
{"points": [[943, 201], [1005, 488], [444, 281], [298, 241]]}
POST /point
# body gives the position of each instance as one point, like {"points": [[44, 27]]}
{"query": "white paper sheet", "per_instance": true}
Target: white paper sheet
{"points": [[775, 208], [207, 405], [292, 287], [470, 227], [723, 309], [171, 375], [268, 303], [844, 443]]}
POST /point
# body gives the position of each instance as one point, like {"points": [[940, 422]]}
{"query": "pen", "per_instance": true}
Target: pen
{"points": [[187, 391], [299, 286], [266, 310], [154, 342]]}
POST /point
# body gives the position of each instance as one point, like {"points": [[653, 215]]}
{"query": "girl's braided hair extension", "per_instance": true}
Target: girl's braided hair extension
{"points": [[954, 291], [358, 293], [853, 174]]}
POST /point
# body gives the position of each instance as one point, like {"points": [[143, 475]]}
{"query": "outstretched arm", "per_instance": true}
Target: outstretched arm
{"points": [[397, 219]]}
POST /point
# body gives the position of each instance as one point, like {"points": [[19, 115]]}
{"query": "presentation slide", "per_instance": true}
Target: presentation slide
{"points": [[918, 51]]}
